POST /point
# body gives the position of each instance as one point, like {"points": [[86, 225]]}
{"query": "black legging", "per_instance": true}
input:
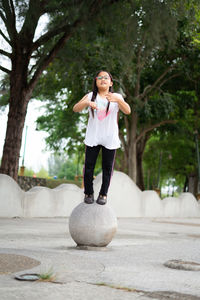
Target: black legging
{"points": [[108, 157]]}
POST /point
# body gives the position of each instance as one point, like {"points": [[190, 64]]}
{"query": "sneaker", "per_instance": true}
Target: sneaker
{"points": [[102, 200], [89, 199]]}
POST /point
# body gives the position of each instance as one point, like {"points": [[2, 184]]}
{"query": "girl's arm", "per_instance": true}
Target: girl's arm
{"points": [[83, 103], [123, 105]]}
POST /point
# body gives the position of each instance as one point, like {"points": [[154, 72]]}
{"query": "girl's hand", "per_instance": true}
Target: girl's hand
{"points": [[123, 106], [111, 97], [83, 103], [92, 104]]}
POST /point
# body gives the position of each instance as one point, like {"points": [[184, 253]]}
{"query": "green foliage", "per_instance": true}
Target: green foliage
{"points": [[42, 173], [68, 170], [159, 107], [4, 92], [62, 166], [176, 143], [28, 172], [54, 164], [61, 124], [112, 48], [195, 5], [178, 153]]}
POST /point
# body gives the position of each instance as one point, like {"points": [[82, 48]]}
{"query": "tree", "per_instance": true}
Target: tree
{"points": [[133, 47], [184, 137], [153, 61], [148, 58], [30, 55], [171, 156], [153, 57], [176, 146]]}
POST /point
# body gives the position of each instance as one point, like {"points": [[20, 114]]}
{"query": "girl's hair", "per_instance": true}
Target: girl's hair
{"points": [[95, 90]]}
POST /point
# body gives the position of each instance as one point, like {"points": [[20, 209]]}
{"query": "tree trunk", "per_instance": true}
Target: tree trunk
{"points": [[140, 177], [18, 102], [193, 183], [132, 151], [121, 162], [132, 162], [185, 188], [140, 151], [12, 145], [21, 88]]}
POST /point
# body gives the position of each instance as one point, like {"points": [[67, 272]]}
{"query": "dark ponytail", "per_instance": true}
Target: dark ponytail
{"points": [[108, 105], [95, 91]]}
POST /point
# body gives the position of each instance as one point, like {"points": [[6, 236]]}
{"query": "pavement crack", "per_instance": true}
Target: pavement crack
{"points": [[103, 269], [160, 295]]}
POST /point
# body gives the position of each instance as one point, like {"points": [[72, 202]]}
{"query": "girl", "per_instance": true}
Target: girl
{"points": [[102, 132]]}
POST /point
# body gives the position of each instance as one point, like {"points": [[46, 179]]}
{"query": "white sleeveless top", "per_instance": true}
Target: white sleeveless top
{"points": [[103, 129]]}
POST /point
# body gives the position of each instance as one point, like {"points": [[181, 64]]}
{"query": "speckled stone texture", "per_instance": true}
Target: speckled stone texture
{"points": [[92, 225]]}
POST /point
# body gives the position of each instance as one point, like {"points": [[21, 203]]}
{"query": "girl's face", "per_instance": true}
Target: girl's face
{"points": [[103, 81]]}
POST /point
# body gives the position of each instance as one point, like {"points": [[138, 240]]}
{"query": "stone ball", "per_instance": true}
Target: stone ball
{"points": [[92, 225]]}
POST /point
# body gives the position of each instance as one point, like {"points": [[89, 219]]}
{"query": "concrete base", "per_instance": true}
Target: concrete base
{"points": [[92, 225]]}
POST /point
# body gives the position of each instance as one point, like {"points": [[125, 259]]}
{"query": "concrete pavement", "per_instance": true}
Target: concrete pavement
{"points": [[130, 267]]}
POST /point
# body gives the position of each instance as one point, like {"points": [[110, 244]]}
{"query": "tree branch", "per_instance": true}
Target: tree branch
{"points": [[5, 37], [139, 67], [2, 52], [66, 31], [31, 69], [149, 88], [3, 17], [48, 58], [33, 14], [5, 70], [123, 143], [169, 78], [153, 127], [64, 27], [94, 7], [47, 36], [10, 19], [12, 9]]}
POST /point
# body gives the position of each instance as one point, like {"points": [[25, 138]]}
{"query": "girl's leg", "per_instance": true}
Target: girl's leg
{"points": [[108, 158], [91, 154]]}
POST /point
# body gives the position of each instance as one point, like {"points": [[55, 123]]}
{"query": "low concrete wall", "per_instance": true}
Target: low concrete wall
{"points": [[126, 199], [11, 197], [58, 202], [38, 201]]}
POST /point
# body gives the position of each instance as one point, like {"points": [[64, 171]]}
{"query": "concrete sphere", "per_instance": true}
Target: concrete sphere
{"points": [[92, 225]]}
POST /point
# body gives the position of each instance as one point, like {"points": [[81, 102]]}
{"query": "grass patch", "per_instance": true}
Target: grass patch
{"points": [[47, 276]]}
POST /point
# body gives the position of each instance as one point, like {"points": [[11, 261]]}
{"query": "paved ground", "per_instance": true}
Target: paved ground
{"points": [[130, 267]]}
